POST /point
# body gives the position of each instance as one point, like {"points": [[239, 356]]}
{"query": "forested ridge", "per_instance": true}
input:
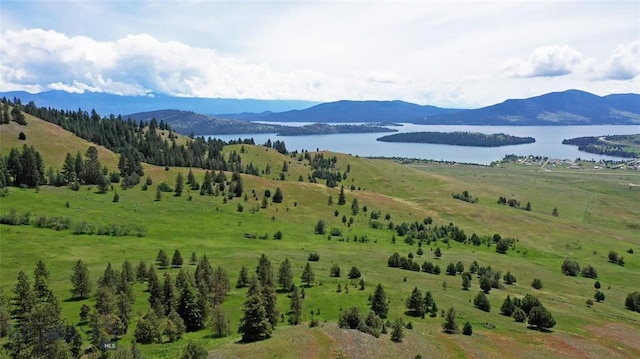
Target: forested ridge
{"points": [[458, 138], [617, 145]]}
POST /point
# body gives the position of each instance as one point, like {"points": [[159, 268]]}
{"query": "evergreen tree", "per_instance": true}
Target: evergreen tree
{"points": [[264, 271], [219, 324], [450, 326], [24, 299], [162, 259], [191, 179], [482, 302], [176, 261], [148, 329], [467, 329], [355, 208], [508, 307], [169, 297], [109, 277], [379, 303], [80, 282], [69, 169], [295, 309], [285, 278], [278, 196], [308, 276], [415, 302], [189, 310], [335, 270], [179, 185], [540, 317], [92, 166], [354, 273], [254, 324], [174, 327], [127, 271], [466, 280], [243, 278], [141, 272], [220, 286], [154, 287], [194, 258], [397, 331], [194, 351], [41, 281], [342, 199]]}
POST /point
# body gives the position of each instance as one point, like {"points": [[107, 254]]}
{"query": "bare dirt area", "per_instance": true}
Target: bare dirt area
{"points": [[625, 338]]}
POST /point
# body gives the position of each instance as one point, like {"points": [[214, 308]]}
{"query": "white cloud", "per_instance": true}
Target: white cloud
{"points": [[547, 61], [138, 64], [624, 64]]}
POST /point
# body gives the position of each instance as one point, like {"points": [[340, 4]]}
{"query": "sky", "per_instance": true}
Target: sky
{"points": [[460, 54]]}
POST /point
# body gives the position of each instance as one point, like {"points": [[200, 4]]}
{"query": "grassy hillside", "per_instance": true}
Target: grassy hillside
{"points": [[598, 212]]}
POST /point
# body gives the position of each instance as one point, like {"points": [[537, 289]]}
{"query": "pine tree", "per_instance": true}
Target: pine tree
{"points": [[41, 281], [415, 302], [508, 307], [179, 185], [155, 292], [176, 261], [220, 286], [264, 271], [24, 299], [307, 275], [243, 278], [148, 329], [81, 284], [141, 272], [162, 259], [127, 271], [379, 303], [170, 297], [174, 327], [285, 278], [109, 277], [397, 332], [449, 324], [69, 169], [342, 199], [194, 351], [278, 196], [189, 310], [254, 324], [295, 309], [219, 324]]}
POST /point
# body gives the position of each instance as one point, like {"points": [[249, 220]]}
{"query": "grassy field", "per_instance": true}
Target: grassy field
{"points": [[598, 212]]}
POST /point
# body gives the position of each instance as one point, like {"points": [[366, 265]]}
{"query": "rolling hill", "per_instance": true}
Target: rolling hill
{"points": [[598, 213]]}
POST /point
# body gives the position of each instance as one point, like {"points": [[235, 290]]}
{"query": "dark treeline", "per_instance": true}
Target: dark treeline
{"points": [[136, 141], [592, 144], [458, 138]]}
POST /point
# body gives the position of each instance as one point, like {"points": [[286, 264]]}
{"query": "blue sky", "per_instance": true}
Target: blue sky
{"points": [[452, 54]]}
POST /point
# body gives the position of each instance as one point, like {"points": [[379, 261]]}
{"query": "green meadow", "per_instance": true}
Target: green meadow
{"points": [[598, 211]]}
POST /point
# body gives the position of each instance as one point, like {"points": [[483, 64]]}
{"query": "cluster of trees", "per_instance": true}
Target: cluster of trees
{"points": [[632, 301], [458, 138], [530, 309], [465, 196], [14, 115], [277, 145], [615, 258], [408, 263], [22, 168], [571, 267], [593, 144], [139, 141], [324, 168], [419, 305], [38, 330], [512, 202], [373, 323]]}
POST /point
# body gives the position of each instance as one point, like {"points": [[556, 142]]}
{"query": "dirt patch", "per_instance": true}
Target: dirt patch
{"points": [[623, 336]]}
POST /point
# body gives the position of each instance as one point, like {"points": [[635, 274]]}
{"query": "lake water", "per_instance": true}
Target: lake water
{"points": [[548, 142]]}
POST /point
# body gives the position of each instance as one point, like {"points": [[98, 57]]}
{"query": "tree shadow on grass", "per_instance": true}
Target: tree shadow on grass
{"points": [[542, 330]]}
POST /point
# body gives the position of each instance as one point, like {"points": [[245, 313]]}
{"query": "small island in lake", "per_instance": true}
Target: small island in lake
{"points": [[326, 129], [627, 146], [474, 139]]}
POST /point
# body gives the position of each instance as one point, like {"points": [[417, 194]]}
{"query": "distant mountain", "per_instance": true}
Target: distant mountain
{"points": [[349, 112], [187, 122], [106, 104], [572, 107]]}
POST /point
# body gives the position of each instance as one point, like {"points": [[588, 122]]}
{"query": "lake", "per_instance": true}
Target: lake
{"points": [[548, 142]]}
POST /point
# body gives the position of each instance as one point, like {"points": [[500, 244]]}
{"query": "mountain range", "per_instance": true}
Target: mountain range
{"points": [[193, 115]]}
